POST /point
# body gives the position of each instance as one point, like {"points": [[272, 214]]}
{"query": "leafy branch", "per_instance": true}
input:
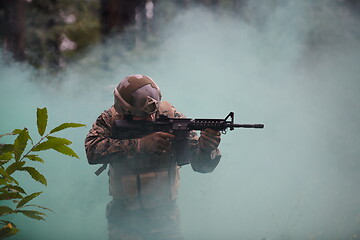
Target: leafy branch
{"points": [[13, 197]]}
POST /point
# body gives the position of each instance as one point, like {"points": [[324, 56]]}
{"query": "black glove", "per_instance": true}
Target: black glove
{"points": [[209, 140], [155, 142]]}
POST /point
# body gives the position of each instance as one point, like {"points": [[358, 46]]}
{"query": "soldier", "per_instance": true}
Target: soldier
{"points": [[143, 176]]}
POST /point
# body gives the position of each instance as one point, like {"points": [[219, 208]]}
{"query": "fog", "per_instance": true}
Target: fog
{"points": [[291, 65]]}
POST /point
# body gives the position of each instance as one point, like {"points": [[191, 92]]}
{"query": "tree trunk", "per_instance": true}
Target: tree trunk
{"points": [[117, 16], [52, 42], [13, 27]]}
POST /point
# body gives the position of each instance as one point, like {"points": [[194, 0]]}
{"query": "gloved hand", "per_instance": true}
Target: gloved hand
{"points": [[155, 142], [209, 140]]}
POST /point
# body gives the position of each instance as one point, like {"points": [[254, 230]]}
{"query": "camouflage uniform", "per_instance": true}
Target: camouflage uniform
{"points": [[143, 186]]}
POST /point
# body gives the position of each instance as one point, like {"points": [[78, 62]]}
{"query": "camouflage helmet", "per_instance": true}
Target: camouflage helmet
{"points": [[137, 95]]}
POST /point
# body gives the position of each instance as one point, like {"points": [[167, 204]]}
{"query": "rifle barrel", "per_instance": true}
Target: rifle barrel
{"points": [[248, 125]]}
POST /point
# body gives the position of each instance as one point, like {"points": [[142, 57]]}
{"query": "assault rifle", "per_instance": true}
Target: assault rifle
{"points": [[180, 127], [125, 129]]}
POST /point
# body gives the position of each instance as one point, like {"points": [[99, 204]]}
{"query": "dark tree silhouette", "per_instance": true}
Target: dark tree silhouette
{"points": [[13, 27], [117, 15]]}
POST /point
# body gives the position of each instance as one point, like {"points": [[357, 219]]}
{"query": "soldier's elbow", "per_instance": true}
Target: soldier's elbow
{"points": [[91, 159]]}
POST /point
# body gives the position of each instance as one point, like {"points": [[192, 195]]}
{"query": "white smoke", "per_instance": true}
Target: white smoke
{"points": [[292, 65]]}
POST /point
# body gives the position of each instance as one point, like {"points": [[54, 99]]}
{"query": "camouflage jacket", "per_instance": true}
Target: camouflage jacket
{"points": [[130, 169]]}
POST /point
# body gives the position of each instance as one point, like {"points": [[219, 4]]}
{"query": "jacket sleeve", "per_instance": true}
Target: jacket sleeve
{"points": [[101, 148], [200, 162], [203, 162]]}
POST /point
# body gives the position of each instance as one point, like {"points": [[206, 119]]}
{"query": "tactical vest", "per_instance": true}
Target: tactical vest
{"points": [[147, 182]]}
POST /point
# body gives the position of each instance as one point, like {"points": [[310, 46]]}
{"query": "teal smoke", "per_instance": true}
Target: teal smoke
{"points": [[290, 65]]}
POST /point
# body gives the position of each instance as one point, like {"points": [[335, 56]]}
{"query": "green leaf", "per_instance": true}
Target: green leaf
{"points": [[6, 156], [7, 179], [34, 157], [64, 140], [45, 208], [66, 150], [4, 148], [10, 195], [4, 173], [14, 188], [67, 125], [17, 131], [35, 175], [27, 199], [41, 120], [20, 143], [32, 214], [14, 167], [4, 210], [4, 181], [50, 144]]}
